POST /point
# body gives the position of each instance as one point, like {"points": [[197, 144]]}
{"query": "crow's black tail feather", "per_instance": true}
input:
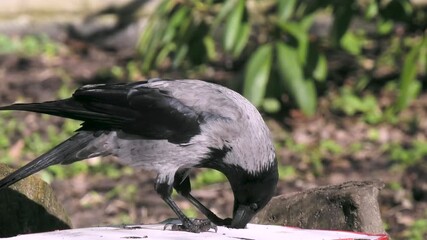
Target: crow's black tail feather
{"points": [[67, 108], [63, 153]]}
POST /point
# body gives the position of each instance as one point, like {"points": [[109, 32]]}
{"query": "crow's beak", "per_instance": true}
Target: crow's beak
{"points": [[242, 216]]}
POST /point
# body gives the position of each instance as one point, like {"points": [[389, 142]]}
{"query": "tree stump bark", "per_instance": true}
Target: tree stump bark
{"points": [[29, 206], [351, 206]]}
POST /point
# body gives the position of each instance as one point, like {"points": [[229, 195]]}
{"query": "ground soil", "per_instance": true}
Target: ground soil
{"points": [[87, 199]]}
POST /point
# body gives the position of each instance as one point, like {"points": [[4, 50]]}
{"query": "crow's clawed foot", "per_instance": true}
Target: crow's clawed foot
{"points": [[195, 226]]}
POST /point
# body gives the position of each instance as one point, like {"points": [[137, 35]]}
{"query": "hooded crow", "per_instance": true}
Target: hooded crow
{"points": [[170, 127]]}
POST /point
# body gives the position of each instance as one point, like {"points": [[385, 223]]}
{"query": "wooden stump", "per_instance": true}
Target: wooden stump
{"points": [[29, 206], [351, 206]]}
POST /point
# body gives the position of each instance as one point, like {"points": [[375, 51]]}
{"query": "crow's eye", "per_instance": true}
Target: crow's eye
{"points": [[254, 206]]}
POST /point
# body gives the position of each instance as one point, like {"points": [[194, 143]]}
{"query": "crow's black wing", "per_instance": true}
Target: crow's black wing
{"points": [[146, 111], [164, 116], [133, 108]]}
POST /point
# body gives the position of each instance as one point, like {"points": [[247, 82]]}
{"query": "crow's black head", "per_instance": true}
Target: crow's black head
{"points": [[251, 193]]}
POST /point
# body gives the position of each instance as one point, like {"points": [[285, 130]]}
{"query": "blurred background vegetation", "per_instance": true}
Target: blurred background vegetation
{"points": [[340, 83]]}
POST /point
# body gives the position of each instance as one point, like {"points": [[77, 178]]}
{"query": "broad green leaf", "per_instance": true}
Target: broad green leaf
{"points": [[164, 53], [371, 9], [152, 47], [294, 29], [409, 86], [145, 38], [321, 71], [244, 33], [384, 26], [227, 7], [174, 22], [185, 30], [291, 73], [343, 13], [154, 25], [352, 43], [307, 22], [257, 74], [422, 59], [210, 47], [233, 25], [285, 9], [180, 55], [164, 8], [271, 105]]}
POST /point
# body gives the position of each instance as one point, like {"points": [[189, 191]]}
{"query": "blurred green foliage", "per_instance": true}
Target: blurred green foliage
{"points": [[365, 104], [417, 230], [281, 48], [206, 177], [409, 155], [29, 45]]}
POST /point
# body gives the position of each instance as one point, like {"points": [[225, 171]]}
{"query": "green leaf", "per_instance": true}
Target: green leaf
{"points": [[257, 73], [343, 13], [164, 8], [154, 26], [291, 73], [384, 26], [227, 7], [302, 38], [185, 30], [409, 86], [175, 21], [285, 9], [145, 38], [233, 25], [316, 65], [307, 22], [151, 48], [321, 71], [372, 9], [244, 33], [352, 43], [210, 47], [271, 105], [164, 53], [180, 55], [422, 59]]}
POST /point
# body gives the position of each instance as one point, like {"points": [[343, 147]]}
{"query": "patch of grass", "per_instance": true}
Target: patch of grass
{"points": [[314, 154], [330, 146], [355, 147], [129, 72], [127, 192], [65, 171], [123, 219], [352, 103], [286, 172], [29, 45], [407, 155], [206, 177], [417, 231], [190, 212], [395, 186], [9, 127]]}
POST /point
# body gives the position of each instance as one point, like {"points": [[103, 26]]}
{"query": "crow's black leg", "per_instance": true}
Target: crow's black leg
{"points": [[207, 212], [165, 190], [183, 186]]}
